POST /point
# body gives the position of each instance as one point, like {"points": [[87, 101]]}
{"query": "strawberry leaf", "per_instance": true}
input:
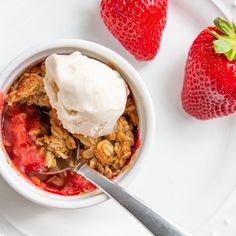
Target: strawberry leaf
{"points": [[225, 43], [224, 26], [231, 55], [222, 46], [234, 25]]}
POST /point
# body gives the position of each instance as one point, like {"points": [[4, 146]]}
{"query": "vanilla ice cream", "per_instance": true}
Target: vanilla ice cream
{"points": [[88, 95]]}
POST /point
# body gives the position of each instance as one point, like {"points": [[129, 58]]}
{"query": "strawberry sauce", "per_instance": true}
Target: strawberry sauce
{"points": [[1, 101], [19, 122]]}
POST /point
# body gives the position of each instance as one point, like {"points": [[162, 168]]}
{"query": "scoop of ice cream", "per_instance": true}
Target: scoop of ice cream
{"points": [[88, 95]]}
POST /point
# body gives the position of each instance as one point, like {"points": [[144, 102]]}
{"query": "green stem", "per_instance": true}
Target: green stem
{"points": [[225, 42]]}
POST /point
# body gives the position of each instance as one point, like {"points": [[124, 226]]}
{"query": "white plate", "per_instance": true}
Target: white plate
{"points": [[191, 170]]}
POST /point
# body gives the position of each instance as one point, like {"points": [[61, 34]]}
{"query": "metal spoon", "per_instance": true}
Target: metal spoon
{"points": [[153, 221]]}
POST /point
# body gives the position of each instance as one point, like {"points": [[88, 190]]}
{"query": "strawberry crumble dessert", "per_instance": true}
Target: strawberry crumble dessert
{"points": [[63, 102]]}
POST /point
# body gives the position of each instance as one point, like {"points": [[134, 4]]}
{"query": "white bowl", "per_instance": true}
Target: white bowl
{"points": [[144, 106]]}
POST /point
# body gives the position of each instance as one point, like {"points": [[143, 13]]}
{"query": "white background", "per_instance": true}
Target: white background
{"points": [[191, 169]]}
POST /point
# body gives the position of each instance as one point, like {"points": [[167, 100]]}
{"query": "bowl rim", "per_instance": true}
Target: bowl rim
{"points": [[46, 198]]}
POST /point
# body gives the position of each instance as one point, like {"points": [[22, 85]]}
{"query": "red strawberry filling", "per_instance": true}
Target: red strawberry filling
{"points": [[71, 184], [19, 123]]}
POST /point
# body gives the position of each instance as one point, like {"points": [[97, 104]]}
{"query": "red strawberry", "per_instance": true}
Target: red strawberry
{"points": [[138, 24], [209, 88]]}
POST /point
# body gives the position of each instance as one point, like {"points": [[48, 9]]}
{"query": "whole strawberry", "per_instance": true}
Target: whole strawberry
{"points": [[138, 24], [209, 88]]}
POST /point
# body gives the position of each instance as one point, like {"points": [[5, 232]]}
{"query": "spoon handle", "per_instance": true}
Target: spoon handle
{"points": [[153, 221]]}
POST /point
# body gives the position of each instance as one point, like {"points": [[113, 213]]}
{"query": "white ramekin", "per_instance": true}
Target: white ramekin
{"points": [[142, 98]]}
